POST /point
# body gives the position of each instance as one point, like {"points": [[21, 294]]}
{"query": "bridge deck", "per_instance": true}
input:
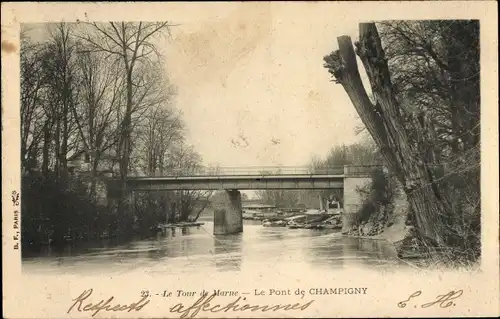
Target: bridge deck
{"points": [[204, 178], [240, 182]]}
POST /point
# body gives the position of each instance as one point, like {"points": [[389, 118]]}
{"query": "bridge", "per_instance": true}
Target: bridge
{"points": [[228, 212], [240, 178]]}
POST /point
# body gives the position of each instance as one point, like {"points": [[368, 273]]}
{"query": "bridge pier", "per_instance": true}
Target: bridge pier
{"points": [[228, 215], [354, 178]]}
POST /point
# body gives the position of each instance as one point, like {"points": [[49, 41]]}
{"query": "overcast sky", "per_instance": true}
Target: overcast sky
{"points": [[252, 86]]}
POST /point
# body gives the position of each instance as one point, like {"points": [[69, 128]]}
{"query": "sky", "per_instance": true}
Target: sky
{"points": [[252, 87], [251, 84]]}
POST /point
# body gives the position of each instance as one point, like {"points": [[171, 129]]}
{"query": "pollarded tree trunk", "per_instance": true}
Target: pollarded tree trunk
{"points": [[385, 123]]}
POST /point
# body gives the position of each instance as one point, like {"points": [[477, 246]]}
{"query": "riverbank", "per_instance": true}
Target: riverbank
{"points": [[394, 232], [389, 224], [395, 235]]}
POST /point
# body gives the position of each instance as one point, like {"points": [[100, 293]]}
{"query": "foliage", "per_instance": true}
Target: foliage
{"points": [[382, 190], [47, 201], [377, 195]]}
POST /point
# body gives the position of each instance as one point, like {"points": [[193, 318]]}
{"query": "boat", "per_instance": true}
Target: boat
{"points": [[296, 225], [257, 211], [276, 223], [250, 214], [296, 221], [333, 222]]}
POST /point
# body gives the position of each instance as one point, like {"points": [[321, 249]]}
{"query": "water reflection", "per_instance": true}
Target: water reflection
{"points": [[227, 252], [340, 252], [158, 251], [272, 233], [196, 249]]}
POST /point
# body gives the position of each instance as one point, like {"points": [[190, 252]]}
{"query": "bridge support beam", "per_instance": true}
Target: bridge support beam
{"points": [[352, 199], [228, 215]]}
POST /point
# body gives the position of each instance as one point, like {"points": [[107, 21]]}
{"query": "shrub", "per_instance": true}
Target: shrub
{"points": [[377, 195], [365, 212]]}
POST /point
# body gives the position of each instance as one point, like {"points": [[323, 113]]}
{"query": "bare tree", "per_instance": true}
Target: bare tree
{"points": [[60, 74], [160, 129], [279, 198], [434, 82], [129, 45], [32, 113], [184, 159], [101, 90]]}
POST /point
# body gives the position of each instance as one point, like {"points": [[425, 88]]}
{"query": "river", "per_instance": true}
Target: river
{"points": [[197, 249]]}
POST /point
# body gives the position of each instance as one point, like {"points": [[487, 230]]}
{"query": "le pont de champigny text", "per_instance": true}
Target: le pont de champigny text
{"points": [[311, 291]]}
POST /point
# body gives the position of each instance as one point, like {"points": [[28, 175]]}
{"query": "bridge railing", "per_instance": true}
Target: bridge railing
{"points": [[246, 171], [360, 170], [260, 171]]}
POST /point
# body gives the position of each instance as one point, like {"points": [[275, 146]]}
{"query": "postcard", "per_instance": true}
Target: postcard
{"points": [[250, 159]]}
